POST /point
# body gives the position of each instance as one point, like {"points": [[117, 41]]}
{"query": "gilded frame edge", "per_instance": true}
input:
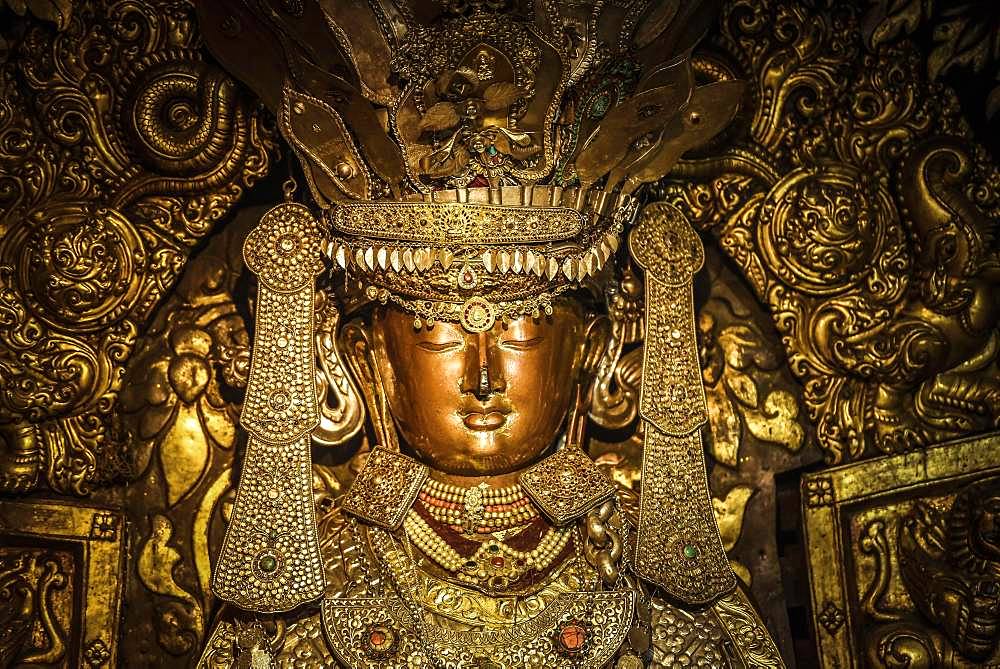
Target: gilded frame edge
{"points": [[100, 531], [826, 493]]}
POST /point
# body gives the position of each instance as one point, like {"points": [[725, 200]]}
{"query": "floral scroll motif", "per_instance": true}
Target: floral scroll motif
{"points": [[120, 147], [863, 216]]}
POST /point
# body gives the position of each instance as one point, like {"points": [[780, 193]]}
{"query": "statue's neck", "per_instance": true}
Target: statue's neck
{"points": [[492, 480]]}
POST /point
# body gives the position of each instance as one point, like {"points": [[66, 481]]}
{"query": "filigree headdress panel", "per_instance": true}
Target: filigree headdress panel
{"points": [[539, 119], [475, 160]]}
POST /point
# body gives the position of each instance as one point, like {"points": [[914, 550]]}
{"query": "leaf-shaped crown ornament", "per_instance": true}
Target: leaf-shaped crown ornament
{"points": [[475, 148]]}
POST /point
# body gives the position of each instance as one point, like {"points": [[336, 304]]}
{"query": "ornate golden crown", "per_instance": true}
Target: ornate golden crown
{"points": [[475, 159]]}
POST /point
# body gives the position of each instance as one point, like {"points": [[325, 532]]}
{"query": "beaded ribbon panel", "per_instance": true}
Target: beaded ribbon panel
{"points": [[678, 545], [270, 558]]}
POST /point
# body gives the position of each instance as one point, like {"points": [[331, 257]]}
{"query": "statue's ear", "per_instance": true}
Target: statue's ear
{"points": [[356, 344], [596, 341]]}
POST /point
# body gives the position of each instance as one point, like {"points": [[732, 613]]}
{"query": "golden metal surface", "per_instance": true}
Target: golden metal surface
{"points": [[467, 403], [61, 573], [865, 525], [855, 308], [679, 546], [114, 167], [871, 254], [270, 558]]}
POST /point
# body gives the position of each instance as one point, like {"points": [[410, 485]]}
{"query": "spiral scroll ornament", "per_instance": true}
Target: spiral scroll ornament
{"points": [[81, 268], [180, 113]]}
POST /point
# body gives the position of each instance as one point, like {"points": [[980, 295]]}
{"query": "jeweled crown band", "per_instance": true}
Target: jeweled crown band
{"points": [[421, 237], [473, 263], [457, 224]]}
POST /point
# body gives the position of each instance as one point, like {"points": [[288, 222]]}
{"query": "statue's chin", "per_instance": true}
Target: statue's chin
{"points": [[483, 453]]}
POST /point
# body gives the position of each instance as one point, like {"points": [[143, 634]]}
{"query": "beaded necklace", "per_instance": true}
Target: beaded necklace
{"points": [[479, 509], [494, 564]]}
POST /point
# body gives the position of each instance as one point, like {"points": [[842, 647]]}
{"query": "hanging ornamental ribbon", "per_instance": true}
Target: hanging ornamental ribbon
{"points": [[270, 559], [679, 546]]}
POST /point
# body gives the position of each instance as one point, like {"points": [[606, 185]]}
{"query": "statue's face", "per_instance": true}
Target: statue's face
{"points": [[487, 403]]}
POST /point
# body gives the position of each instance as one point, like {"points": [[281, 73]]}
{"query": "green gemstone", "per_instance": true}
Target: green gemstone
{"points": [[267, 563], [690, 551]]}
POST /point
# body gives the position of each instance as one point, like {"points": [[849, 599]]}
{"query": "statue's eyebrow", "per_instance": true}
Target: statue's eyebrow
{"points": [[520, 342]]}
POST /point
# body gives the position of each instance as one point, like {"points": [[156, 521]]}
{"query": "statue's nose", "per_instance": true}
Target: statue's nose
{"points": [[484, 382], [483, 376]]}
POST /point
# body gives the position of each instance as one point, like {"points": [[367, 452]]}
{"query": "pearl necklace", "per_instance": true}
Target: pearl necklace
{"points": [[455, 493], [494, 563], [479, 509]]}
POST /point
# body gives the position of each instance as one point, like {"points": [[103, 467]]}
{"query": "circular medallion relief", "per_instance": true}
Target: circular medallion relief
{"points": [[478, 315]]}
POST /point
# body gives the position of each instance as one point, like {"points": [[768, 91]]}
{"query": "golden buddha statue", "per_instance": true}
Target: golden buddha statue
{"points": [[474, 173]]}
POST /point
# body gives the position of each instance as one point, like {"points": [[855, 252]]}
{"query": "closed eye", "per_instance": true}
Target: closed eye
{"points": [[521, 344], [440, 347]]}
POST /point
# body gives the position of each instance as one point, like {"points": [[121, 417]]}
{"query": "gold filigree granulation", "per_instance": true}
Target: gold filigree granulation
{"points": [[270, 558], [284, 249], [607, 616], [385, 489], [478, 314], [465, 605], [678, 544], [665, 245], [566, 485], [457, 224], [303, 640], [281, 396], [672, 395]]}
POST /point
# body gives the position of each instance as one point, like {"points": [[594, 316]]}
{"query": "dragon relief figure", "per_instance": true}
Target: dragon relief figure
{"points": [[953, 221], [950, 565]]}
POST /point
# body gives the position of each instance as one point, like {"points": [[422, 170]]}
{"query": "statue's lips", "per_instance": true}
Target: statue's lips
{"points": [[484, 421]]}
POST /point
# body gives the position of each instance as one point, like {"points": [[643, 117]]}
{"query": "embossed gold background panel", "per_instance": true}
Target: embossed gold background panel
{"points": [[848, 311]]}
